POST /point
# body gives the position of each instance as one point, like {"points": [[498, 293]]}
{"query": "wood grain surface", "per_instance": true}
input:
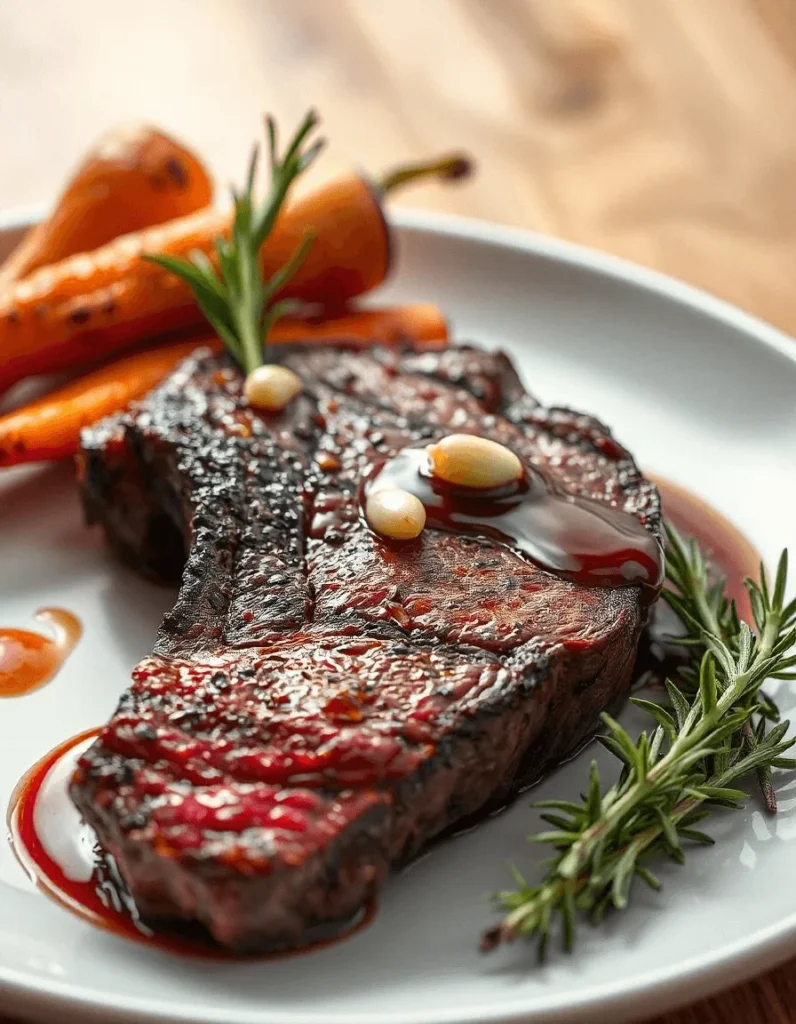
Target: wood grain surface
{"points": [[660, 130]]}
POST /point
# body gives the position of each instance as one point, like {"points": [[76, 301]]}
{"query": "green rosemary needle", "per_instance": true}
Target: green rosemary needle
{"points": [[230, 290], [712, 733]]}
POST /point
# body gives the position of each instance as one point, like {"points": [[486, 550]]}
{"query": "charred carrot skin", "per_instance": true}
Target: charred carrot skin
{"points": [[133, 177], [93, 305], [49, 428]]}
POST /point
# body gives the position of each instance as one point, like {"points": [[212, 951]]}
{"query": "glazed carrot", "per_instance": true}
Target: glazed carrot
{"points": [[134, 177], [94, 305], [49, 427], [421, 324]]}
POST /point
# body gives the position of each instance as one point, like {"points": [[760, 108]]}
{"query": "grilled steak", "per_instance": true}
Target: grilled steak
{"points": [[321, 703]]}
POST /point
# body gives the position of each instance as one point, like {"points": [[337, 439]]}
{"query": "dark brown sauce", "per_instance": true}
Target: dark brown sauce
{"points": [[581, 540], [104, 900], [28, 660], [731, 557]]}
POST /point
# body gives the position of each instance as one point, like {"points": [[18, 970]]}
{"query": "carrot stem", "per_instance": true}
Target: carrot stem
{"points": [[451, 167]]}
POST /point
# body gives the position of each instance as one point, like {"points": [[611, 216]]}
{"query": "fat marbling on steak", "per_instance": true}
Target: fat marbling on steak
{"points": [[321, 703]]}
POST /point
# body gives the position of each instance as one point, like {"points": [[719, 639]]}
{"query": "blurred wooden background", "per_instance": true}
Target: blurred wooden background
{"points": [[661, 130]]}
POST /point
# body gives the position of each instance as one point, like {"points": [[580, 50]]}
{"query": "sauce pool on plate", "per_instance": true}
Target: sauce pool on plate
{"points": [[723, 545], [28, 659], [60, 854], [730, 554]]}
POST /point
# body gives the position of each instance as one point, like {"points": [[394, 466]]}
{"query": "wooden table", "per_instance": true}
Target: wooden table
{"points": [[661, 130]]}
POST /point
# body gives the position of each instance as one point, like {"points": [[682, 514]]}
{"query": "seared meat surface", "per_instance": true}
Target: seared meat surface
{"points": [[321, 703]]}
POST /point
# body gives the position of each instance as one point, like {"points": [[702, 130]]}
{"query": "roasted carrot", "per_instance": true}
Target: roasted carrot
{"points": [[421, 324], [133, 177], [49, 427], [93, 305]]}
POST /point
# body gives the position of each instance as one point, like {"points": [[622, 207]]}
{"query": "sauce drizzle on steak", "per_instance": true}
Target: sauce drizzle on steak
{"points": [[574, 537]]}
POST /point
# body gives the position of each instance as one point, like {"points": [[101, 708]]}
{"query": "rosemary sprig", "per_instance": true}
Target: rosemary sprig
{"points": [[702, 606], [230, 290], [711, 734]]}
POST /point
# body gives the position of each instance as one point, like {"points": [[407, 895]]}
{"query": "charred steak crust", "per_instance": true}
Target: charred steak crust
{"points": [[320, 704]]}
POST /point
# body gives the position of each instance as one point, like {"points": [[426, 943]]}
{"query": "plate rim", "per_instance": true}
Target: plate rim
{"points": [[663, 988]]}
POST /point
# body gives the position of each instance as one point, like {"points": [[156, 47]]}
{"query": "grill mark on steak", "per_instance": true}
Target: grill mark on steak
{"points": [[320, 703]]}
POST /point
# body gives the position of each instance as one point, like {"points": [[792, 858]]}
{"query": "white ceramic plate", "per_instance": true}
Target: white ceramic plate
{"points": [[702, 394]]}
